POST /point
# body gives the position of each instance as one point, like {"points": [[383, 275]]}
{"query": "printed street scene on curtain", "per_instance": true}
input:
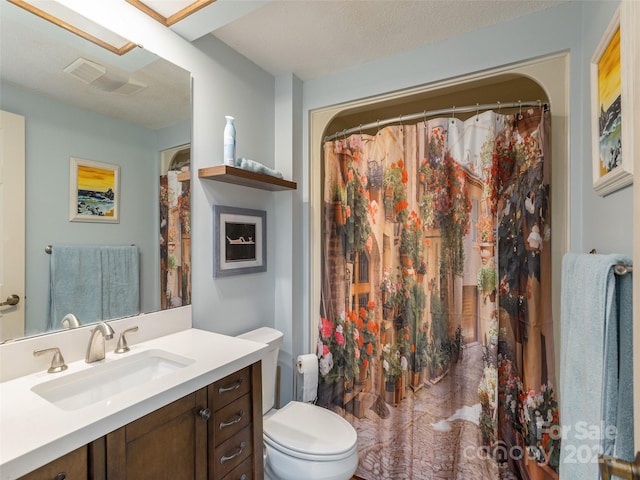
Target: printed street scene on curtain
{"points": [[435, 334]]}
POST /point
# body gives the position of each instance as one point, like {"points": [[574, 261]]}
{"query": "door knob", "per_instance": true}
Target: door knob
{"points": [[11, 300]]}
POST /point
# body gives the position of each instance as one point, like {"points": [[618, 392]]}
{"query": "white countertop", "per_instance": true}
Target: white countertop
{"points": [[33, 431]]}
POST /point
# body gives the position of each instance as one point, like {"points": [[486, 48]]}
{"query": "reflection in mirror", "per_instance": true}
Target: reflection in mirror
{"points": [[79, 100]]}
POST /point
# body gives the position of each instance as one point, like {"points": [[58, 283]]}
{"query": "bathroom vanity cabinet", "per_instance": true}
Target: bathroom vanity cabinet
{"points": [[212, 433]]}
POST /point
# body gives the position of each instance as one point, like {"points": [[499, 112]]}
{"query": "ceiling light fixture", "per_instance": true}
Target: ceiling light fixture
{"points": [[168, 13], [73, 22]]}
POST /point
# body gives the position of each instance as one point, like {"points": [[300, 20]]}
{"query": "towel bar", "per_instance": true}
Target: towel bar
{"points": [[614, 466], [49, 248], [620, 268]]}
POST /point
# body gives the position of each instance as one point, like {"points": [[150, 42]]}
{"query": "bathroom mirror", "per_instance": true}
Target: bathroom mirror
{"points": [[138, 107]]}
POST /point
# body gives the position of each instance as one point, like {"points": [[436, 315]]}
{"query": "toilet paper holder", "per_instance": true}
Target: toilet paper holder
{"points": [[299, 381]]}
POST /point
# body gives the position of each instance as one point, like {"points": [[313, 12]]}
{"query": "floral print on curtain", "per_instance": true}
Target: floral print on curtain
{"points": [[436, 335]]}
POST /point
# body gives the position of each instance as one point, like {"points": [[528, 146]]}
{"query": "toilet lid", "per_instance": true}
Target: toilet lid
{"points": [[311, 430]]}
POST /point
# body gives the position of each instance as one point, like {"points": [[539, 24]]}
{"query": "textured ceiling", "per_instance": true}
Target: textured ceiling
{"points": [[310, 38], [313, 38]]}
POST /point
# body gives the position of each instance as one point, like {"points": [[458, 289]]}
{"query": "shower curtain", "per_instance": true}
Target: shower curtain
{"points": [[435, 332]]}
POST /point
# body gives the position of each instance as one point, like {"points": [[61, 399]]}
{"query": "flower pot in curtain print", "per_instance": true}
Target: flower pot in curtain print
{"points": [[406, 260], [403, 382], [338, 214], [398, 391], [390, 391], [375, 194], [362, 376], [417, 380], [343, 160]]}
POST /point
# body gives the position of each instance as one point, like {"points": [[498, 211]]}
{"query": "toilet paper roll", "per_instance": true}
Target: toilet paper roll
{"points": [[308, 367]]}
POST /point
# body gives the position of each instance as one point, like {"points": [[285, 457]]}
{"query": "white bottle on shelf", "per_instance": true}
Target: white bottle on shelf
{"points": [[230, 142]]}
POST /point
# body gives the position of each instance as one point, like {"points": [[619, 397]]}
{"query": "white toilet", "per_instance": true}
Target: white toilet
{"points": [[301, 440]]}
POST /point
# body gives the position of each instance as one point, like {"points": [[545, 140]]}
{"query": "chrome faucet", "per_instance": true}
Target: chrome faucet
{"points": [[70, 321], [95, 351]]}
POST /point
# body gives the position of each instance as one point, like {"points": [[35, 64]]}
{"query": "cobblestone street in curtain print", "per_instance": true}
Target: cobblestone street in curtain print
{"points": [[441, 419]]}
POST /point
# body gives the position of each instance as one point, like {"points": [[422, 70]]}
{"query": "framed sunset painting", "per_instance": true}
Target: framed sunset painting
{"points": [[94, 191], [610, 109]]}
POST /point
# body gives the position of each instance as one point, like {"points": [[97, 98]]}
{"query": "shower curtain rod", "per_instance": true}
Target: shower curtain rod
{"points": [[432, 113]]}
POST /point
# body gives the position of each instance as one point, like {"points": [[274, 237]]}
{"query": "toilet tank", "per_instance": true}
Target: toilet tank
{"points": [[274, 338]]}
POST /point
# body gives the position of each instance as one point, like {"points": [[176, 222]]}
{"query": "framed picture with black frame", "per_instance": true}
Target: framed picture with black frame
{"points": [[239, 241]]}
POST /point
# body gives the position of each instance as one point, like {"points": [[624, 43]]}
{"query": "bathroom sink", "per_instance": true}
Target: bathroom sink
{"points": [[103, 381]]}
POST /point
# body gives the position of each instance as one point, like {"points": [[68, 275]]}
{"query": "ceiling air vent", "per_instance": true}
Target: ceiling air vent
{"points": [[130, 88], [85, 70]]}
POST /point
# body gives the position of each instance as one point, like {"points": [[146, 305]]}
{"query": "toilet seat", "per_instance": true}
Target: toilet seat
{"points": [[306, 431]]}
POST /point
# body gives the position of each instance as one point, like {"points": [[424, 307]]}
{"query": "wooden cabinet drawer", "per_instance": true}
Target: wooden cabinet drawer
{"points": [[233, 452], [244, 471], [72, 466], [232, 418], [231, 387]]}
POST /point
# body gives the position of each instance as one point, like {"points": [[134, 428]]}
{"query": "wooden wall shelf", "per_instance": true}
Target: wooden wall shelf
{"points": [[184, 176], [246, 178]]}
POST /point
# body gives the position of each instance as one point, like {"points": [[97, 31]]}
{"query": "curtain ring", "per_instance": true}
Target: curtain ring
{"points": [[378, 124], [425, 118], [453, 115], [477, 111], [499, 107], [360, 132], [520, 110], [401, 126]]}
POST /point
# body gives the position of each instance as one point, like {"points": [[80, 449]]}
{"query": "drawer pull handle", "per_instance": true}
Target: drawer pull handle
{"points": [[205, 414], [224, 425], [60, 476], [235, 455], [235, 386]]}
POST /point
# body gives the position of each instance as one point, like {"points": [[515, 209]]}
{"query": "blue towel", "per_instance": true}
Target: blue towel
{"points": [[120, 281], [93, 282], [589, 338], [75, 284], [624, 421], [253, 166]]}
